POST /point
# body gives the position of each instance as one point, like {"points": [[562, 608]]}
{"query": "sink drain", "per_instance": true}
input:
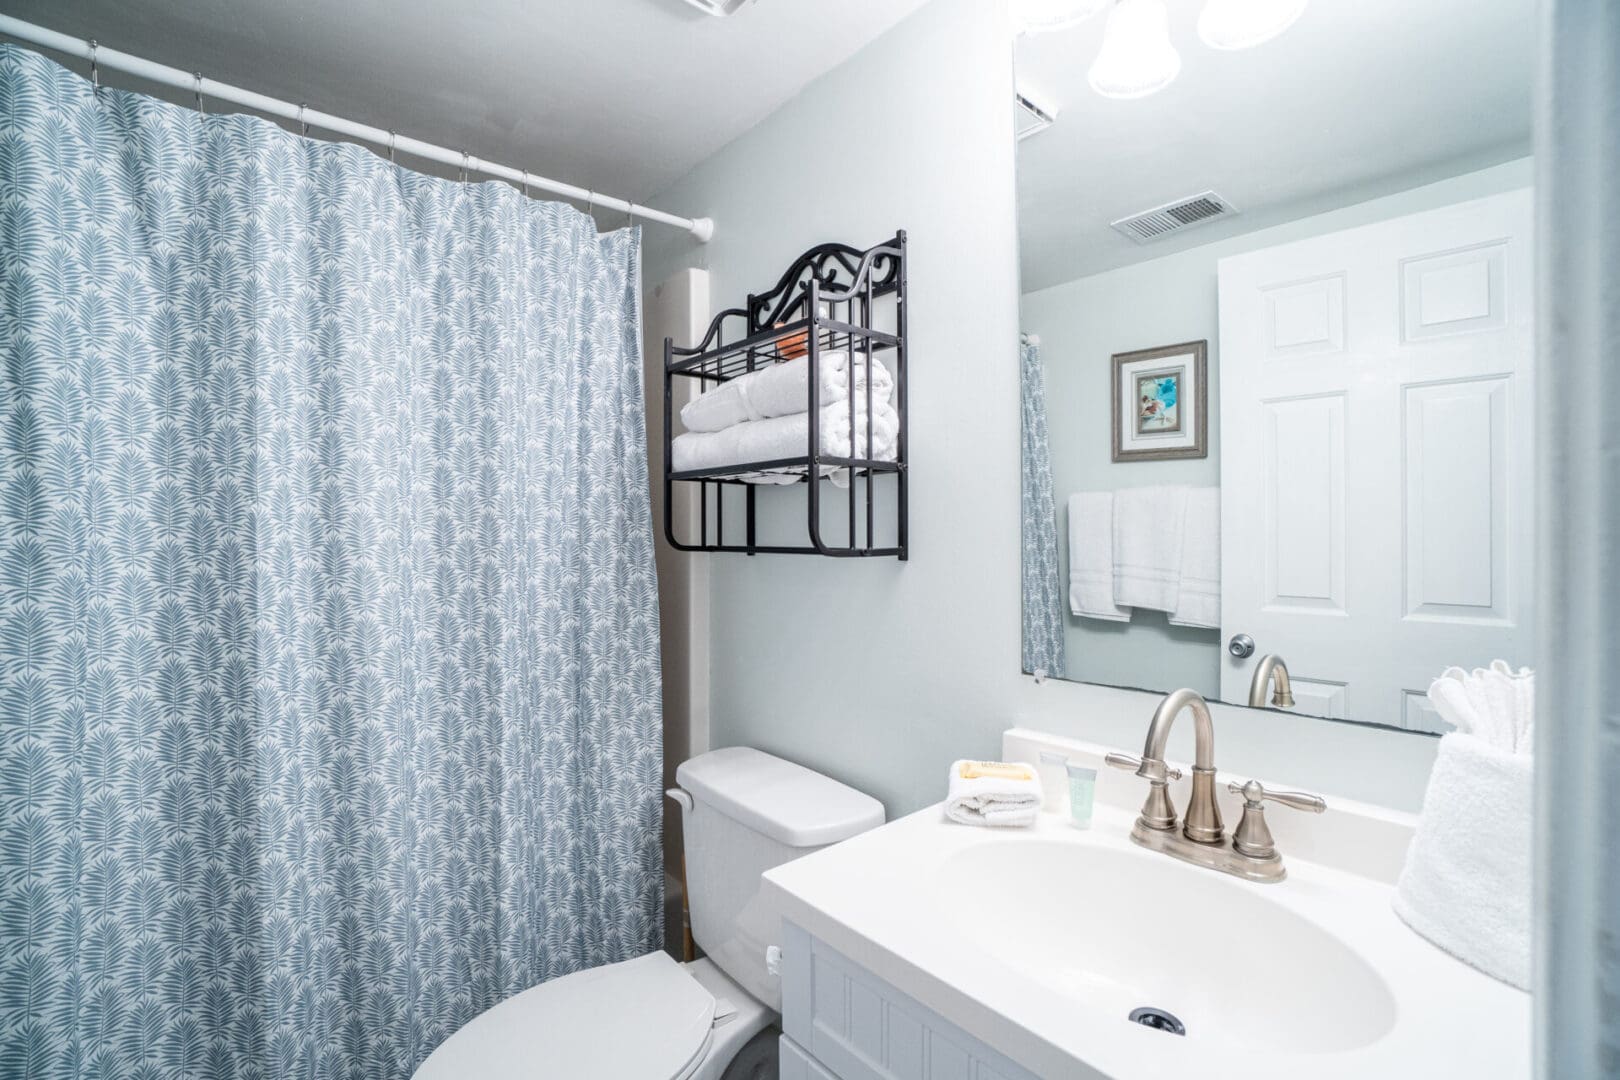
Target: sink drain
{"points": [[1158, 1020]]}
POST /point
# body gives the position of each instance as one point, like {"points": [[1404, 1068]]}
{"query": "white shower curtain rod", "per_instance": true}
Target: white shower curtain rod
{"points": [[702, 228]]}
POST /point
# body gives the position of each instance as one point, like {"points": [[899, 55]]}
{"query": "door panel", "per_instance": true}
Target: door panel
{"points": [[1457, 442], [1376, 456], [1305, 503]]}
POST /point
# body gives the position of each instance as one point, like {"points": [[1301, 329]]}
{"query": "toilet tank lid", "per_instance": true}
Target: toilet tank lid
{"points": [[786, 802]]}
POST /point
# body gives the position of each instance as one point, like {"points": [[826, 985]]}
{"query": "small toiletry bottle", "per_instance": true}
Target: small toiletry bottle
{"points": [[1082, 792], [1053, 767]]}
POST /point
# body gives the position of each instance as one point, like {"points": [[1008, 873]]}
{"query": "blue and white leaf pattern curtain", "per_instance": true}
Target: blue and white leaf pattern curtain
{"points": [[329, 689], [1043, 597]]}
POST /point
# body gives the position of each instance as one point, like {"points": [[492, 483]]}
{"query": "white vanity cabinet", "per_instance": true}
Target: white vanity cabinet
{"points": [[843, 1023]]}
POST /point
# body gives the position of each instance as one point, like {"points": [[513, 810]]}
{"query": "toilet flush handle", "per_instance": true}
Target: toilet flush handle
{"points": [[676, 795], [773, 959]]}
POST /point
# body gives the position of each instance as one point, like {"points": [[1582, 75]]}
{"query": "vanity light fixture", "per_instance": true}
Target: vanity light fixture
{"points": [[720, 7], [1243, 24], [1136, 58], [1044, 16]]}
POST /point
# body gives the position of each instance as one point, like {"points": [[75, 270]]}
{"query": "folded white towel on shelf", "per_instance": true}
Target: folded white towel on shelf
{"points": [[786, 437], [1466, 882], [1149, 528], [1198, 602], [997, 793], [1091, 557], [784, 389]]}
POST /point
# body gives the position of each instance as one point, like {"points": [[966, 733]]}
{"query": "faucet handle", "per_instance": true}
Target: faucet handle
{"points": [[1133, 763], [1254, 792]]}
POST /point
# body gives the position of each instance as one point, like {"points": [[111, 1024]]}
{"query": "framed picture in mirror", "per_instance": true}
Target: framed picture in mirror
{"points": [[1160, 403]]}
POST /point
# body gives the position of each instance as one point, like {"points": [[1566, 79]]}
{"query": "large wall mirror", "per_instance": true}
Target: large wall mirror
{"points": [[1278, 362]]}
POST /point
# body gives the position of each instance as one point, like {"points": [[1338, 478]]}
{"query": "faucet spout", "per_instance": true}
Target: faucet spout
{"points": [[1271, 667], [1164, 717], [1203, 823]]}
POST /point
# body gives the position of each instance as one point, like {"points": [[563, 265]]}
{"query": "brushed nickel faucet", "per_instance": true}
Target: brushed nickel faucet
{"points": [[1201, 840], [1271, 667]]}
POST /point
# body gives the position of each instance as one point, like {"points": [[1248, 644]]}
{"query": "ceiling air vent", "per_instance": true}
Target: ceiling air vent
{"points": [[1031, 116], [1173, 217]]}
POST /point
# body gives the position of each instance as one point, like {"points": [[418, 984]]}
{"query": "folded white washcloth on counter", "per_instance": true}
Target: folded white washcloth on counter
{"points": [[1466, 882], [1091, 557], [1001, 794], [786, 437], [784, 389]]}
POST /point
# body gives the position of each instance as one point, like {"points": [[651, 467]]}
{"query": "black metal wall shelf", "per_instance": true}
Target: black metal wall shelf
{"points": [[831, 299]]}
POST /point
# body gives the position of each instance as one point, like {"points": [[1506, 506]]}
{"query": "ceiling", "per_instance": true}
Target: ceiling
{"points": [[1357, 99], [618, 96]]}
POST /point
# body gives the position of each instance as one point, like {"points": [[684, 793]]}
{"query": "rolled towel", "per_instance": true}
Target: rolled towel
{"points": [[996, 793], [1495, 705], [1466, 882], [784, 389], [786, 437]]}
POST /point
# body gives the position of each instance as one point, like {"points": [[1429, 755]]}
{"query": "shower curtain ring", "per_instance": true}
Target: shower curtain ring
{"points": [[464, 166], [196, 88], [391, 139], [590, 204], [303, 125], [525, 183], [95, 72]]}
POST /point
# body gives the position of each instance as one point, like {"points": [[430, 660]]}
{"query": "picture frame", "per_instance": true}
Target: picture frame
{"points": [[1161, 403]]}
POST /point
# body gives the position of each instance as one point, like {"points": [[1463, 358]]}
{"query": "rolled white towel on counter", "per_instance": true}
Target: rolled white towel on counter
{"points": [[1466, 882], [786, 437], [996, 793], [1496, 704], [784, 389]]}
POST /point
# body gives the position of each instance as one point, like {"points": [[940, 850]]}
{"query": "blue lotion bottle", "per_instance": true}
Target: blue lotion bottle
{"points": [[1082, 794]]}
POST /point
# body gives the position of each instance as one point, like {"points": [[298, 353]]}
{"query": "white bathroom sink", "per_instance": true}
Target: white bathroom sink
{"points": [[1041, 942], [1118, 930]]}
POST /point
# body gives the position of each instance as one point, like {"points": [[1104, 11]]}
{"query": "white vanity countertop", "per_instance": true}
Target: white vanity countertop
{"points": [[885, 900]]}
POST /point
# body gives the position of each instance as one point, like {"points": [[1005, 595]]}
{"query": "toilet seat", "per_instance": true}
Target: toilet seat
{"points": [[642, 1019]]}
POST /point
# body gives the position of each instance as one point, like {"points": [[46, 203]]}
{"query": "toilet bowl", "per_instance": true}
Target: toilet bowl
{"points": [[651, 1018]]}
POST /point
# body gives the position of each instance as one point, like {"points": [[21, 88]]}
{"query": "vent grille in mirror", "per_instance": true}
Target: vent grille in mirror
{"points": [[1172, 217], [1031, 116]]}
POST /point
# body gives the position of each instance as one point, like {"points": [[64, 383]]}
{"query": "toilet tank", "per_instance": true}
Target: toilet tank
{"points": [[745, 812]]}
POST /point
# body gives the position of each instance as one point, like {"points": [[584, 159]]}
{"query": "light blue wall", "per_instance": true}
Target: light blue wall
{"points": [[1082, 323], [880, 673]]}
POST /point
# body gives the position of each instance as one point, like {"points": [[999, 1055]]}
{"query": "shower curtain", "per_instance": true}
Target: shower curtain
{"points": [[329, 689], [1043, 596], [1576, 949]]}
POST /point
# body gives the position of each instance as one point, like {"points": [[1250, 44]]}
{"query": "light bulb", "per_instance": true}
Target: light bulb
{"points": [[1243, 24], [1041, 16], [1136, 58]]}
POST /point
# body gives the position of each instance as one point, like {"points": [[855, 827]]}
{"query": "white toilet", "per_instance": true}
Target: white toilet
{"points": [[654, 1019]]}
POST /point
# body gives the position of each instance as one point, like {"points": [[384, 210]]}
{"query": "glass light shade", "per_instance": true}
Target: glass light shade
{"points": [[1136, 58], [1243, 24], [1041, 16]]}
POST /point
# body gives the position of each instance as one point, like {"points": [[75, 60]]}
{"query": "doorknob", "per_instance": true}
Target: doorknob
{"points": [[1241, 646]]}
